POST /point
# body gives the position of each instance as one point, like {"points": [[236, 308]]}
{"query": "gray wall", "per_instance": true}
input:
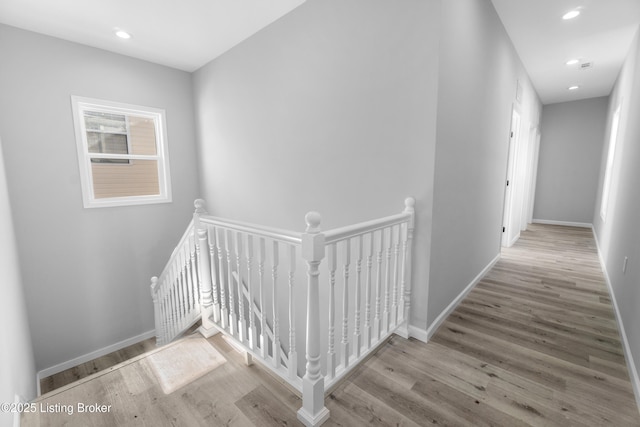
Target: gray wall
{"points": [[570, 154], [479, 69], [619, 236], [332, 108], [85, 271], [17, 366]]}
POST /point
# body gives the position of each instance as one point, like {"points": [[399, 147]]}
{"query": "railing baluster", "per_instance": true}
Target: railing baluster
{"points": [[192, 279], [224, 311], [168, 319], [396, 260], [345, 303], [167, 300], [252, 327], [263, 316], [190, 285], [176, 309], [195, 276], [403, 273], [161, 330], [331, 354], [274, 305], [293, 354], [184, 297], [187, 281], [367, 296], [378, 319], [242, 329], [233, 318], [214, 276], [172, 317], [181, 290], [387, 281], [357, 341]]}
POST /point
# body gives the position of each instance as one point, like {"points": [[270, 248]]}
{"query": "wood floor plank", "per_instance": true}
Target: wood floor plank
{"points": [[353, 406], [412, 405], [263, 408]]}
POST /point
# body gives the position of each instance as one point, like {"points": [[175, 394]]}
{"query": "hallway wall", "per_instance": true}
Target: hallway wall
{"points": [[86, 272], [618, 237], [331, 108], [17, 366], [474, 115], [570, 154]]}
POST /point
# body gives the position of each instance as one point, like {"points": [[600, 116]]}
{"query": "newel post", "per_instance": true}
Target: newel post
{"points": [[409, 205], [313, 411], [204, 270]]}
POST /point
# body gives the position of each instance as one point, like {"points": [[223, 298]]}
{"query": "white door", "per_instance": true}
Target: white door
{"points": [[511, 228]]}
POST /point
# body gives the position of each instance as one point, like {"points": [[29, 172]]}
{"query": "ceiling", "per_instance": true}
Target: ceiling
{"points": [[601, 34], [183, 34], [187, 34]]}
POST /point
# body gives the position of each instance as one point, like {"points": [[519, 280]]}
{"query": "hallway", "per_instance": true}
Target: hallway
{"points": [[535, 343]]}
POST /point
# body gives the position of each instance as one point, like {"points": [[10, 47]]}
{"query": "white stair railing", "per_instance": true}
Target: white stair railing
{"points": [[176, 295], [246, 281]]}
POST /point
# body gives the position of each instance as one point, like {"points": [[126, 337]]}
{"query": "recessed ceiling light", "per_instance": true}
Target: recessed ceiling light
{"points": [[574, 87], [570, 15], [572, 62], [123, 34]]}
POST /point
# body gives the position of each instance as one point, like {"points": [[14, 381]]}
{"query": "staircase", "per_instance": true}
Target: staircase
{"points": [[277, 294]]}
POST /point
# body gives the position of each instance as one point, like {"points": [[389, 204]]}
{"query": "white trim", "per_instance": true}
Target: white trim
{"points": [[47, 372], [419, 333], [564, 223], [628, 356], [447, 311]]}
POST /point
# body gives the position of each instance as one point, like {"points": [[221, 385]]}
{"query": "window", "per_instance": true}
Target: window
{"points": [[606, 187], [122, 153]]}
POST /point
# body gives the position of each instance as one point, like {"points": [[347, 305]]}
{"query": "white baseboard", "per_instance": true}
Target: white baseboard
{"points": [[447, 311], [90, 356], [631, 366], [418, 333], [565, 223]]}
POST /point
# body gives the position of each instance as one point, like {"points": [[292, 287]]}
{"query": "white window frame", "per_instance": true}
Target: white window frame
{"points": [[82, 104], [608, 172]]}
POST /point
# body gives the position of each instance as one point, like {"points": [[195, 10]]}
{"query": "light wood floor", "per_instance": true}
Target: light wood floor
{"points": [[535, 343], [94, 366]]}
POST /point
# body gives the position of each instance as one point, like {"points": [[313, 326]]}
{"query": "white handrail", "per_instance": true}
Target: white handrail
{"points": [[365, 227], [188, 233], [285, 236]]}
